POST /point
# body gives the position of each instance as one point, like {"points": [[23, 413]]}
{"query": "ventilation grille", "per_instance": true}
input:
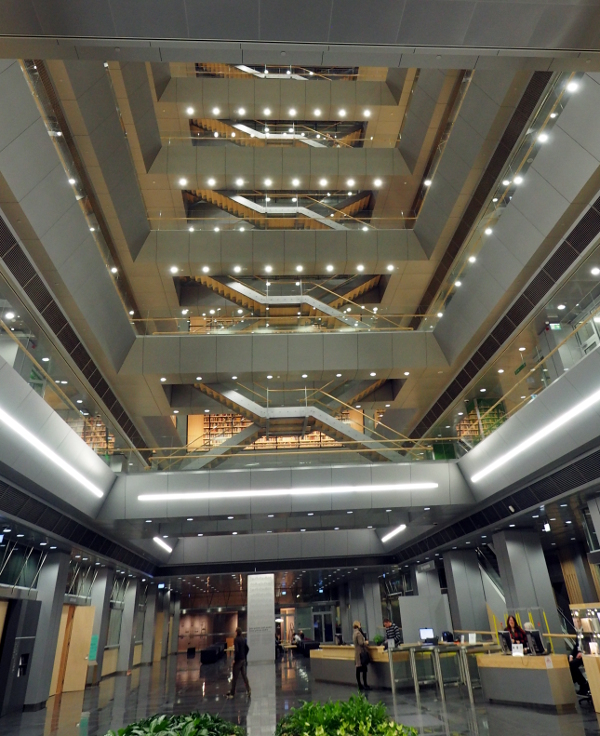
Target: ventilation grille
{"points": [[527, 104], [16, 503], [555, 267], [581, 471], [22, 269]]}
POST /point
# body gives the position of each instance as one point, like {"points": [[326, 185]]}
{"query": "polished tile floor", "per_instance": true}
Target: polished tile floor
{"points": [[178, 685]]}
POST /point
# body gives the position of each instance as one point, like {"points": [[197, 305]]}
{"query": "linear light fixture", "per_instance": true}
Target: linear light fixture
{"points": [[274, 492], [162, 544], [539, 435], [43, 449], [393, 533]]}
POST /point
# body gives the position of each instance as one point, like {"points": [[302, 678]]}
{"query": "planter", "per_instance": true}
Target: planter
{"points": [[191, 724]]}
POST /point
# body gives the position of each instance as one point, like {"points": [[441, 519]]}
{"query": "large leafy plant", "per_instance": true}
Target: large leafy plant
{"points": [[357, 717], [192, 724]]}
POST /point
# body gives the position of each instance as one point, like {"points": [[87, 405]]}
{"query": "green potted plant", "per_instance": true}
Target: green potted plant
{"points": [[357, 717], [191, 724], [378, 640]]}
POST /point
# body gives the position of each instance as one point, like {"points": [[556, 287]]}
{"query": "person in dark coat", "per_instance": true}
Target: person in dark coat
{"points": [[240, 653]]}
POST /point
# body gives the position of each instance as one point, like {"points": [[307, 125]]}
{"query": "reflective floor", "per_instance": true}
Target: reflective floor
{"points": [[178, 685]]}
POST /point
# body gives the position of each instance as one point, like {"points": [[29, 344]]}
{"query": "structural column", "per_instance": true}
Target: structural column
{"points": [[466, 593], [577, 575], [425, 579], [261, 617], [51, 587], [100, 599], [127, 638], [174, 643], [365, 604], [149, 625], [524, 575]]}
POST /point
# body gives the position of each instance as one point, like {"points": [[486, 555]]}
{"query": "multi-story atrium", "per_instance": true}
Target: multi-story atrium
{"points": [[299, 310]]}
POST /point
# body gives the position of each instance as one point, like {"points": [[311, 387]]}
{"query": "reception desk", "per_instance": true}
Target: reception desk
{"points": [[333, 663], [535, 682], [591, 664]]}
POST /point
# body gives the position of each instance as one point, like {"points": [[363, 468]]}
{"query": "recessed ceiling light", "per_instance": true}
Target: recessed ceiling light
{"points": [[217, 229], [350, 183], [553, 114], [72, 181], [190, 110], [406, 373], [472, 259], [427, 183], [268, 182], [458, 283], [304, 375], [191, 228], [360, 267], [163, 379], [234, 378], [542, 137], [292, 111], [483, 390], [367, 113], [299, 268], [242, 111], [561, 307], [216, 110], [505, 183], [377, 182], [372, 373], [237, 269], [267, 111], [183, 182], [175, 411], [216, 134], [211, 182], [365, 228], [338, 375], [595, 271], [500, 370], [440, 314], [79, 401], [390, 267], [342, 113], [317, 113], [518, 180], [205, 269], [239, 182], [45, 360], [572, 87], [269, 376], [323, 183], [268, 269], [198, 378], [488, 231]]}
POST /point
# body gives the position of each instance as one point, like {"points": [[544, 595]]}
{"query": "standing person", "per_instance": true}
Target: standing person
{"points": [[240, 648], [361, 655], [392, 631]]}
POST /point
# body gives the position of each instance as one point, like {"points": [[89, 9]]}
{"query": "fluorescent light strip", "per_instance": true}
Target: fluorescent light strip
{"points": [[393, 533], [538, 436], [38, 445], [274, 492], [162, 544]]}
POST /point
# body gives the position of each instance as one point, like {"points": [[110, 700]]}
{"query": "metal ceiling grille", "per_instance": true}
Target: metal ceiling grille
{"points": [[569, 478], [23, 271], [28, 509], [518, 122]]}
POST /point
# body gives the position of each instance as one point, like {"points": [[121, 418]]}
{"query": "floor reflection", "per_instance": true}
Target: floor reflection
{"points": [[179, 685]]}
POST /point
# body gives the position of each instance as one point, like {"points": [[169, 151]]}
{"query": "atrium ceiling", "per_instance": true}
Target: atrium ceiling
{"points": [[311, 249]]}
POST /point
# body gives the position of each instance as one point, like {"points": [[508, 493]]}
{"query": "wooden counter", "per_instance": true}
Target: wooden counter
{"points": [[591, 664], [537, 682]]}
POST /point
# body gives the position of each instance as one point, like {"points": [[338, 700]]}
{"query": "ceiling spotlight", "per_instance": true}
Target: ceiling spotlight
{"points": [[72, 181], [292, 111], [458, 283], [268, 182], [239, 182], [542, 137], [350, 183], [367, 113], [268, 269], [183, 182], [488, 231], [234, 378], [198, 378], [338, 375], [406, 373], [211, 182], [365, 228], [427, 182], [482, 390], [377, 182], [191, 228], [518, 180], [45, 360], [521, 350], [114, 269], [205, 269], [440, 314], [267, 111], [299, 268], [323, 182], [237, 269], [342, 113], [505, 182], [175, 411], [217, 229], [163, 379], [317, 113], [216, 134], [572, 87], [304, 375], [472, 259], [269, 377], [242, 111], [561, 307], [360, 267], [595, 271], [390, 267], [189, 111], [216, 110], [173, 269], [372, 374], [500, 370], [553, 115], [329, 268]]}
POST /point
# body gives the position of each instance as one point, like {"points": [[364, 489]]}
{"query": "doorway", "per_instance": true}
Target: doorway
{"points": [[323, 627]]}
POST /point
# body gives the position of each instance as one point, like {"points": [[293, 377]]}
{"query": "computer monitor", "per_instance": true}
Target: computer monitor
{"points": [[425, 634], [505, 642], [535, 642]]}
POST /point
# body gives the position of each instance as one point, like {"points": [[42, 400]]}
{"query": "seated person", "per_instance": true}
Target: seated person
{"points": [[298, 638], [392, 631], [576, 665], [517, 634], [278, 646]]}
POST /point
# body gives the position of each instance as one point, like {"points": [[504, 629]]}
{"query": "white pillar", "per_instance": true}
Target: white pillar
{"points": [[261, 617]]}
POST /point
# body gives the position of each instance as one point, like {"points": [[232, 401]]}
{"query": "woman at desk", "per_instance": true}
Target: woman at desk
{"points": [[361, 654], [517, 634]]}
